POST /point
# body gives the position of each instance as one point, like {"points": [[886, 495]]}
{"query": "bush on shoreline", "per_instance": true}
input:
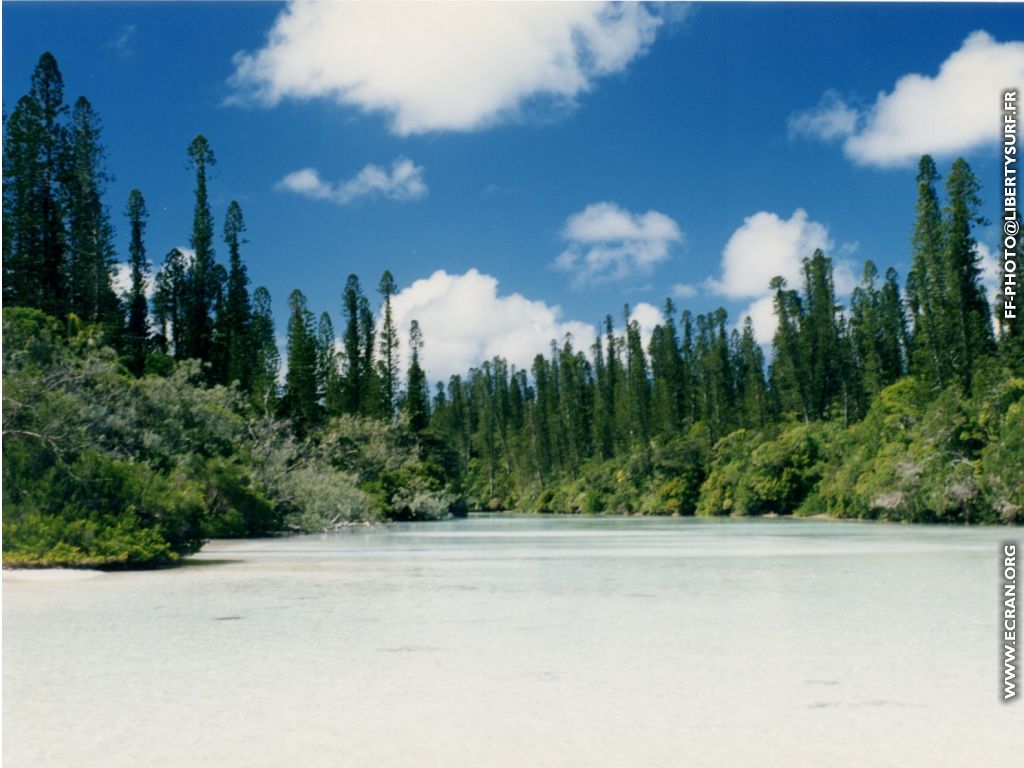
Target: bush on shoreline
{"points": [[102, 469]]}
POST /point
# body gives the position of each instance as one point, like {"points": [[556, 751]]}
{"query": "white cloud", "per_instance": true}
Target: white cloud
{"points": [[954, 111], [762, 316], [684, 291], [121, 276], [844, 276], [465, 321], [607, 243], [832, 119], [404, 182], [991, 272], [282, 367], [121, 279], [437, 66], [124, 41], [647, 317], [765, 246]]}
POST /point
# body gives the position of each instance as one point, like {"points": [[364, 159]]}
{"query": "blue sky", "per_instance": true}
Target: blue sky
{"points": [[580, 156]]}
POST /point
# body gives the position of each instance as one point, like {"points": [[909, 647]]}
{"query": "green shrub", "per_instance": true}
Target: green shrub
{"points": [[234, 507], [100, 512], [918, 457], [1002, 467]]}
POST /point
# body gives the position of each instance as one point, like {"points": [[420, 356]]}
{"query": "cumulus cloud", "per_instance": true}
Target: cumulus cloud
{"points": [[607, 243], [991, 269], [832, 119], [121, 274], [762, 317], [647, 317], [121, 279], [403, 182], [465, 321], [434, 66], [684, 291], [954, 111], [765, 246]]}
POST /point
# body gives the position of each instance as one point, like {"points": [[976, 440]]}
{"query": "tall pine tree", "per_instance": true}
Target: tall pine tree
{"points": [[301, 398], [970, 320], [417, 395], [35, 170], [136, 335], [926, 283], [328, 374], [266, 359], [237, 309], [388, 365], [90, 235], [203, 283], [170, 304]]}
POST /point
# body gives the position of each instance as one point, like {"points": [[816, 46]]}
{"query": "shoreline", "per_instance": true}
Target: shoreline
{"points": [[49, 574], [66, 573]]}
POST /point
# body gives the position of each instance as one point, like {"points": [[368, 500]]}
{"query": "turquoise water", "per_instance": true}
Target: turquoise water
{"points": [[522, 642]]}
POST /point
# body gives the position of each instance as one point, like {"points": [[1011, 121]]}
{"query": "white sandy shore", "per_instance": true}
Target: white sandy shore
{"points": [[50, 574]]}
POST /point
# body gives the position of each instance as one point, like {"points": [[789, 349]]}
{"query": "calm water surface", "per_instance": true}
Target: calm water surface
{"points": [[522, 642]]}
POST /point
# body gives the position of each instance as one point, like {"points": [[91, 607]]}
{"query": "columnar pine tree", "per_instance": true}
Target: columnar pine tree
{"points": [[850, 398], [878, 332], [639, 384], [417, 396], [866, 330], [485, 442], [352, 377], [715, 373], [328, 370], [688, 406], [388, 365], [666, 370], [604, 414], [575, 402], [893, 328], [266, 359], [787, 375], [301, 398], [927, 283], [136, 335], [170, 303], [90, 235], [753, 392], [35, 170], [203, 281], [457, 426], [819, 332], [237, 309], [607, 371], [544, 437], [369, 397], [970, 320]]}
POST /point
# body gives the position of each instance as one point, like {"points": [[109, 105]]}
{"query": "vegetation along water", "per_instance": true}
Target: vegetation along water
{"points": [[135, 429]]}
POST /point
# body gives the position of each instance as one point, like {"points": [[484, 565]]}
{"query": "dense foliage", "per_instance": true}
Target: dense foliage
{"points": [[134, 428], [853, 416]]}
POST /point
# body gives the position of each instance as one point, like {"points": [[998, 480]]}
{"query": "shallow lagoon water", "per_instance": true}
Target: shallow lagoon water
{"points": [[521, 641]]}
